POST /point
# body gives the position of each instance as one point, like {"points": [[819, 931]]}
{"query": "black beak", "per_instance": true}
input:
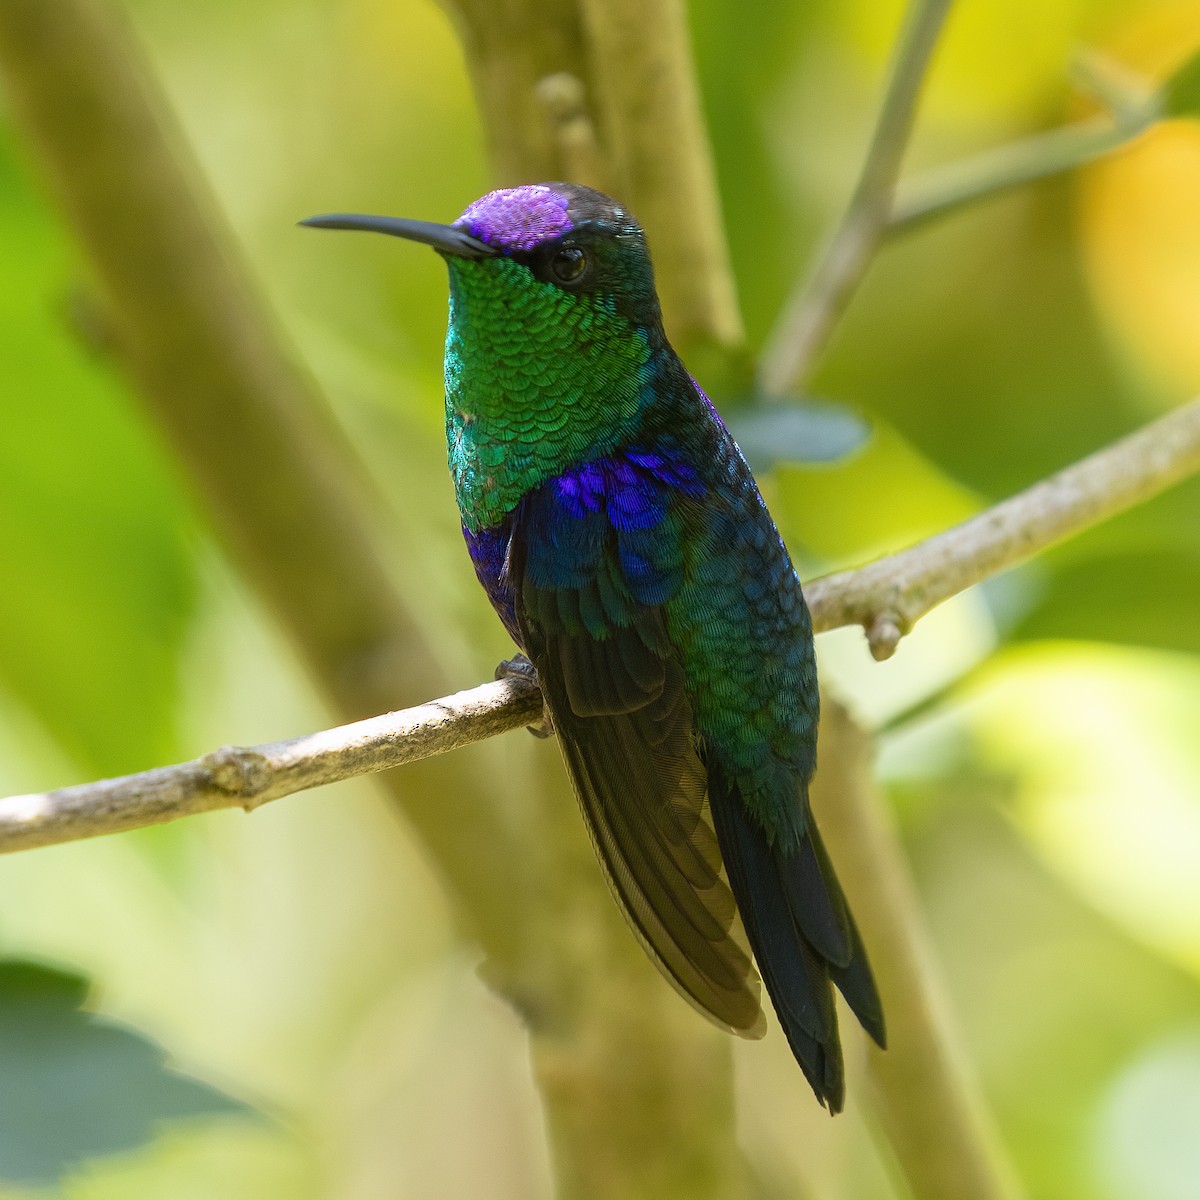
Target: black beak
{"points": [[446, 239]]}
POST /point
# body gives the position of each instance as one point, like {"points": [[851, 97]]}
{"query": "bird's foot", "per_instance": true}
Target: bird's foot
{"points": [[519, 667]]}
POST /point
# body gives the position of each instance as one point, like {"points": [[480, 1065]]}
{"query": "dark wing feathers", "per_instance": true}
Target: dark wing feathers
{"points": [[665, 816], [642, 790], [615, 689]]}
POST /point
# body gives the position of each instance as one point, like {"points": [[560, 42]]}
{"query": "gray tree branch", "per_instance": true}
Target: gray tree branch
{"points": [[886, 598], [248, 776]]}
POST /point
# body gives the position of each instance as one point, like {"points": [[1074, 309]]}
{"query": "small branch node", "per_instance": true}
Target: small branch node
{"points": [[238, 771], [563, 96], [884, 631], [564, 99], [1125, 95]]}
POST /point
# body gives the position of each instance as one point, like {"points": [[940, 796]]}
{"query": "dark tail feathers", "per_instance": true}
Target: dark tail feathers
{"points": [[802, 935]]}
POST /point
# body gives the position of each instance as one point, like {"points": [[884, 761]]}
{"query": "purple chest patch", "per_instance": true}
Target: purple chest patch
{"points": [[489, 550], [517, 218], [632, 487]]}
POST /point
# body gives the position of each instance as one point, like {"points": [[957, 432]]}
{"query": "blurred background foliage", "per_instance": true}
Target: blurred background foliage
{"points": [[1040, 737]]}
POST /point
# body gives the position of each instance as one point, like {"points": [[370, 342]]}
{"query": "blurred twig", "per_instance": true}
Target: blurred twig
{"points": [[927, 1100], [944, 189], [1132, 105], [886, 597], [511, 46], [882, 208], [813, 308], [649, 107], [185, 319]]}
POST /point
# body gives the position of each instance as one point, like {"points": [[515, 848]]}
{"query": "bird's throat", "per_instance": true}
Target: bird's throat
{"points": [[537, 380]]}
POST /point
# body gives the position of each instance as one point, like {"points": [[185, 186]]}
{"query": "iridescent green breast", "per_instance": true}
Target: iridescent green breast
{"points": [[536, 380]]}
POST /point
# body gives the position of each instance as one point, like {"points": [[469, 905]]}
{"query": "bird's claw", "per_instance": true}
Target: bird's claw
{"points": [[519, 667], [545, 727]]}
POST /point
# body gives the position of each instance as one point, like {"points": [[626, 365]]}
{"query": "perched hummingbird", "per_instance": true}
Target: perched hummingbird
{"points": [[620, 536]]}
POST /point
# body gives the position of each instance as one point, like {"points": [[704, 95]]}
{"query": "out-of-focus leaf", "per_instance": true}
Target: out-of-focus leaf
{"points": [[804, 431], [94, 530], [880, 498], [1054, 999], [1181, 93], [1103, 739], [1144, 597], [74, 1086], [1145, 1135]]}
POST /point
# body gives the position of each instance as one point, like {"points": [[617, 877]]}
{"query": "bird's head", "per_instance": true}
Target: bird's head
{"points": [[556, 249], [555, 331]]}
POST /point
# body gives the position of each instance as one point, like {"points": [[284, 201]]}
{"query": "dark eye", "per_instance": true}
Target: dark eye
{"points": [[568, 264]]}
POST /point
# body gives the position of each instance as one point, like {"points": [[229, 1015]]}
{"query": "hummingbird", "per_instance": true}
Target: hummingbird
{"points": [[623, 542]]}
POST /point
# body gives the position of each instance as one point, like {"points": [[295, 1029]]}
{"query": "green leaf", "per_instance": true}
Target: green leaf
{"points": [[74, 1086], [821, 506], [800, 431], [1181, 92], [1142, 597]]}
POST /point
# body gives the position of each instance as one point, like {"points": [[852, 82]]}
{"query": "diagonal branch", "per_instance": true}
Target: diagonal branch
{"points": [[947, 189], [886, 597], [812, 310]]}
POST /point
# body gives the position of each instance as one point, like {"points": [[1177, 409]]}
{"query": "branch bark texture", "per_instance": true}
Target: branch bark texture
{"points": [[248, 776]]}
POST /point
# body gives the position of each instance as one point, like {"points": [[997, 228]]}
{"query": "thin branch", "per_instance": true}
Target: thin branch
{"points": [[924, 1092], [649, 108], [1123, 93], [249, 776], [810, 313], [886, 597], [939, 191]]}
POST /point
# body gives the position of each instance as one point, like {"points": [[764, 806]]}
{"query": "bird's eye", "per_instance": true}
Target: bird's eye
{"points": [[568, 264]]}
